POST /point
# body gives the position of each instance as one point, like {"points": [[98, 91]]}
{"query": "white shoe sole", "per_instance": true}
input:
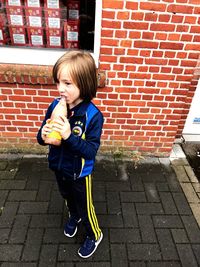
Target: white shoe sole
{"points": [[74, 231], [70, 235], [96, 245]]}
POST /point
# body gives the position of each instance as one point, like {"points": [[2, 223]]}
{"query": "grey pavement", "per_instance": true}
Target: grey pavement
{"points": [[143, 210]]}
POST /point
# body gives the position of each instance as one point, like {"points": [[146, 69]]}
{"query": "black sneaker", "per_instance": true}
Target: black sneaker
{"points": [[89, 247], [70, 227]]}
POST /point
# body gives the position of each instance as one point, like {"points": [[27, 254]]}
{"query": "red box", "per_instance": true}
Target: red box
{"points": [[52, 18], [73, 8], [15, 15], [36, 36], [71, 34], [18, 35], [54, 38], [33, 16]]}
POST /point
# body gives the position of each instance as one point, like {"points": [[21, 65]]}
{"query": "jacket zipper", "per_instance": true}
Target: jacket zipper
{"points": [[75, 160]]}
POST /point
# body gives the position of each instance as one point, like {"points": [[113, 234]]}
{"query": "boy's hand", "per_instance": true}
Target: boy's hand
{"points": [[46, 129], [62, 126]]}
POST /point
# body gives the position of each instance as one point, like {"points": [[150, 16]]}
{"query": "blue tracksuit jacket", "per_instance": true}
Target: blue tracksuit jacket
{"points": [[75, 157]]}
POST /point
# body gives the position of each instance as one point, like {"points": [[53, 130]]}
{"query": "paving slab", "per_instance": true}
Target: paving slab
{"points": [[147, 212]]}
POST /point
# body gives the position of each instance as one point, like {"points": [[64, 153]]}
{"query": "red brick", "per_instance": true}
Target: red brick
{"points": [[155, 61], [196, 38], [186, 38], [113, 4], [109, 42], [150, 17], [115, 82], [140, 76], [161, 84], [20, 98], [192, 47], [177, 70], [135, 103], [154, 69], [161, 36], [111, 74], [190, 19], [182, 28], [148, 35], [195, 2], [133, 60], [145, 53], [18, 92], [119, 51], [111, 24], [189, 63], [123, 15], [126, 43], [108, 58], [136, 25], [112, 96], [122, 74], [174, 37], [157, 53], [164, 18], [134, 35], [105, 66], [185, 9], [131, 5], [122, 115], [143, 69], [107, 33], [177, 19], [197, 10], [193, 55], [120, 34], [162, 27], [20, 105], [130, 68], [108, 14], [153, 6], [125, 97], [163, 77], [30, 92], [171, 45], [181, 55], [118, 67], [8, 104], [137, 16], [146, 44]]}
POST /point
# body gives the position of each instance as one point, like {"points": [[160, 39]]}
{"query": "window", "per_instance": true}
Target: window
{"points": [[40, 31]]}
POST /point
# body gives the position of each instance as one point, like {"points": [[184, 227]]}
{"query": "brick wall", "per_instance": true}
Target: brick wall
{"points": [[149, 50]]}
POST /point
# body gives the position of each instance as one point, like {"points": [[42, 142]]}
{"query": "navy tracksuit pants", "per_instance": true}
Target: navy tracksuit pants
{"points": [[78, 194]]}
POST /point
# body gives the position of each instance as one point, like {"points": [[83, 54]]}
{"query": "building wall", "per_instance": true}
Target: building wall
{"points": [[149, 51]]}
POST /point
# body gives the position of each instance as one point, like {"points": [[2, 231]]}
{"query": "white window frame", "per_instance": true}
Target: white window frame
{"points": [[45, 56]]}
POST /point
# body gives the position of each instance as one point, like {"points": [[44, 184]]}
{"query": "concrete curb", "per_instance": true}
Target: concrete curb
{"points": [[188, 181]]}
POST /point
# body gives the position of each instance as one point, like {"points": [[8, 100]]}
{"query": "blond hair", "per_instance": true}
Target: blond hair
{"points": [[82, 70]]}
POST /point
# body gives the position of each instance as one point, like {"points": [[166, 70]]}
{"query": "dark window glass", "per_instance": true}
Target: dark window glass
{"points": [[47, 23]]}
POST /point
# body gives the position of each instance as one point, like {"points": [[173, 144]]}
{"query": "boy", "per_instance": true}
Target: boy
{"points": [[73, 160]]}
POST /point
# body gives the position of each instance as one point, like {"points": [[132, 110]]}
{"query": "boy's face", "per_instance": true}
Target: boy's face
{"points": [[67, 88]]}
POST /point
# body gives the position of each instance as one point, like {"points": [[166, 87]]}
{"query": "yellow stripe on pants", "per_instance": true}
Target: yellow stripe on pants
{"points": [[90, 209]]}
